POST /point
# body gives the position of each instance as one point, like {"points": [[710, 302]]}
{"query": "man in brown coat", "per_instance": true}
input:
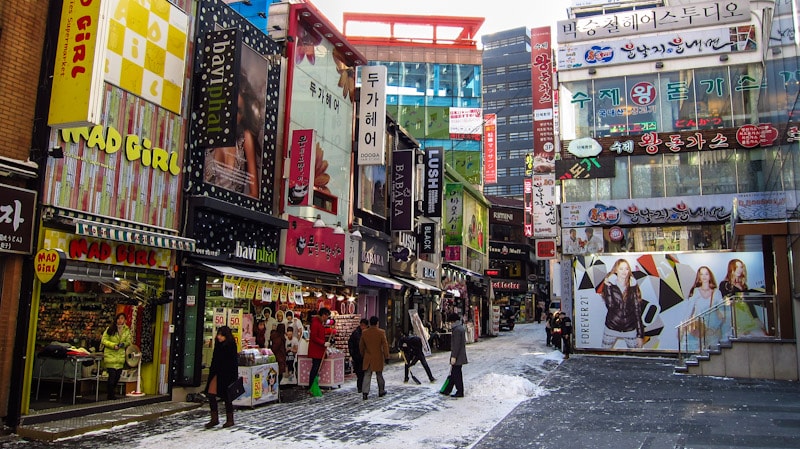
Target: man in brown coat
{"points": [[374, 349]]}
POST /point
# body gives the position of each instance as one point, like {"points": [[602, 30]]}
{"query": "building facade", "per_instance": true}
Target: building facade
{"points": [[678, 153]]}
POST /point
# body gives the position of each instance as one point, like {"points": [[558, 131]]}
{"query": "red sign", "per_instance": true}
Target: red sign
{"points": [[492, 273], [542, 86], [317, 249], [490, 149], [546, 249], [300, 167]]}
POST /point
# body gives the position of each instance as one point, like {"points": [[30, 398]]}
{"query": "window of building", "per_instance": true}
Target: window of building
{"points": [[718, 171], [682, 174], [647, 176], [517, 119]]}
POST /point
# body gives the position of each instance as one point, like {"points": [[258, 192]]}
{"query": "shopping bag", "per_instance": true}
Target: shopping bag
{"points": [[236, 389], [446, 388], [314, 389]]}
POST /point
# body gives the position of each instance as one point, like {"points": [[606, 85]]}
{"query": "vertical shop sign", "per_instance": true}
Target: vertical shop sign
{"points": [[402, 218], [542, 86], [216, 89], [434, 177], [527, 193], [372, 121], [544, 205], [300, 167], [77, 95], [454, 214], [17, 215], [427, 238], [490, 149]]}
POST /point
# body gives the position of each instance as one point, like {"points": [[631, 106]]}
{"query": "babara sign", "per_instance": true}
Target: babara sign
{"points": [[49, 265], [137, 149]]}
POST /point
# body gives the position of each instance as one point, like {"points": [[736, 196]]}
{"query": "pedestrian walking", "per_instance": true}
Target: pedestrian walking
{"points": [[355, 352], [317, 344], [555, 330], [547, 329], [115, 339], [458, 356], [374, 348], [411, 345], [566, 335], [223, 372]]}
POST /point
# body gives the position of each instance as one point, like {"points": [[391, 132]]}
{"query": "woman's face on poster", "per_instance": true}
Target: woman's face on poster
{"points": [[705, 276], [738, 269], [623, 270]]}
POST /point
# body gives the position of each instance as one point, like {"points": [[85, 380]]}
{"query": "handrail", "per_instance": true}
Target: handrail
{"points": [[743, 315]]}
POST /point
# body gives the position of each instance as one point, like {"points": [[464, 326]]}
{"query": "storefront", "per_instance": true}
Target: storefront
{"points": [[89, 270]]}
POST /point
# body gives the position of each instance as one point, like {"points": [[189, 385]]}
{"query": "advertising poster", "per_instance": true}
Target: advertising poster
{"points": [[673, 287], [582, 240], [454, 214], [300, 166], [466, 123], [237, 167]]}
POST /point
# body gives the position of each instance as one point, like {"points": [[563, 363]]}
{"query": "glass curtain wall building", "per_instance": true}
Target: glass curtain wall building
{"points": [[427, 76], [507, 93]]}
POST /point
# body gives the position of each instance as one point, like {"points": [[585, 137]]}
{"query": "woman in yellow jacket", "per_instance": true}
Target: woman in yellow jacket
{"points": [[116, 338]]}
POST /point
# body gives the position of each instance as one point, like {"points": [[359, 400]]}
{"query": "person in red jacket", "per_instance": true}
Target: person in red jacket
{"points": [[317, 342]]}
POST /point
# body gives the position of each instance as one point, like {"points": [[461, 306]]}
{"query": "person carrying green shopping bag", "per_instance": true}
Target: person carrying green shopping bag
{"points": [[317, 346]]}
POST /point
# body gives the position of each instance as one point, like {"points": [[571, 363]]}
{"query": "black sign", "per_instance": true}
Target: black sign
{"points": [[508, 251], [434, 177], [586, 168], [427, 238], [217, 89], [402, 178], [17, 209]]}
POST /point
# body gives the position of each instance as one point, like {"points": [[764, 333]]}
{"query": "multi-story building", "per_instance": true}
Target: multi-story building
{"points": [[18, 183], [507, 93], [434, 93], [679, 138]]}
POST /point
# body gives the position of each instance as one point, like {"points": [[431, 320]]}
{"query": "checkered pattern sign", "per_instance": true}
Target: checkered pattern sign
{"points": [[147, 50]]}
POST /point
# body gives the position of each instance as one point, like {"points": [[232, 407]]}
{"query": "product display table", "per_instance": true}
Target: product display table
{"points": [[260, 384], [71, 371], [331, 372]]}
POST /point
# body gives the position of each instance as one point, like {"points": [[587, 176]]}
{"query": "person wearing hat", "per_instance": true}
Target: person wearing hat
{"points": [[458, 355]]}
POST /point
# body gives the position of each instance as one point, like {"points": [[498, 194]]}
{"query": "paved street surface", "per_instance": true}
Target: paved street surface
{"points": [[519, 394]]}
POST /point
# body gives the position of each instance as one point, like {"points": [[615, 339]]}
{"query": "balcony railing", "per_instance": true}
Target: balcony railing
{"points": [[743, 316]]}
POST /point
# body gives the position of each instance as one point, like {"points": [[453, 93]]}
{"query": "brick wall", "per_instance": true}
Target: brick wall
{"points": [[22, 31]]}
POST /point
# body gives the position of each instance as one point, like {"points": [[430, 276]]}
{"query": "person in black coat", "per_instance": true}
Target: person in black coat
{"points": [[355, 352], [411, 345], [566, 335], [223, 372]]}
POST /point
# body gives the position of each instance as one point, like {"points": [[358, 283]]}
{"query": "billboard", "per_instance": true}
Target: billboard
{"points": [[672, 287]]}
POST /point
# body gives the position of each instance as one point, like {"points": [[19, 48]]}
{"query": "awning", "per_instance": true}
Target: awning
{"points": [[257, 275], [419, 285], [125, 234], [373, 280]]}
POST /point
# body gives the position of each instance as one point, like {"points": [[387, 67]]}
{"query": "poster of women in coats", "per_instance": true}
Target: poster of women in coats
{"points": [[635, 301]]}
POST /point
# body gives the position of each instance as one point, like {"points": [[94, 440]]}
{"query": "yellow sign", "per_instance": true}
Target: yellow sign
{"points": [[77, 95], [50, 264]]}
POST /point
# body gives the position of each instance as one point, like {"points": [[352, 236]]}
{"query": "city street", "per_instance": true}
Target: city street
{"points": [[519, 393], [502, 372]]}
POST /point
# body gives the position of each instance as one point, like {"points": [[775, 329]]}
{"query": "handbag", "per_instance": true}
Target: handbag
{"points": [[236, 389]]}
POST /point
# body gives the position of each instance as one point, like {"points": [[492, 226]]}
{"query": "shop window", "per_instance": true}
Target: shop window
{"points": [[718, 171], [682, 174], [326, 202]]}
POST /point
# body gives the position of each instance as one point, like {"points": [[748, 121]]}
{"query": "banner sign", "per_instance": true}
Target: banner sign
{"points": [[300, 167], [682, 209], [316, 249], [402, 202], [658, 47], [434, 179], [586, 168], [743, 137], [76, 98], [216, 89], [17, 216], [542, 86], [372, 121], [508, 251], [527, 193], [490, 149], [672, 290], [427, 238], [642, 21], [544, 206], [466, 123], [454, 215]]}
